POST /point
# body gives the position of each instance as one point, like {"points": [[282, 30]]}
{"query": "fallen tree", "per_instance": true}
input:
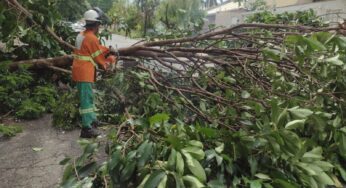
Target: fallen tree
{"points": [[251, 105]]}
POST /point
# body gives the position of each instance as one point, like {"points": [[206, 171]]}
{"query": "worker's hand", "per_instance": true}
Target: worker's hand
{"points": [[111, 59], [105, 66]]}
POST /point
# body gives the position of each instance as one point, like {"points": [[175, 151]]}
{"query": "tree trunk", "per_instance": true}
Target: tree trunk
{"points": [[62, 61]]}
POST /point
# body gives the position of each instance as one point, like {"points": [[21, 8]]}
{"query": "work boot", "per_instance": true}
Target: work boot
{"points": [[89, 133]]}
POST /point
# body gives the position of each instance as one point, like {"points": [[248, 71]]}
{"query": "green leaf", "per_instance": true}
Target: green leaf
{"points": [[300, 112], [326, 166], [295, 124], [272, 53], [179, 183], [180, 164], [282, 118], [127, 171], [253, 165], [293, 39], [337, 122], [195, 167], [307, 168], [172, 160], [196, 153], [255, 184], [163, 182], [115, 160], [283, 184], [195, 143], [324, 179], [314, 44], [37, 149], [174, 141], [71, 182], [144, 152], [202, 106], [267, 185], [335, 60], [217, 183], [144, 181], [263, 176], [342, 172], [68, 173], [158, 118], [64, 161], [193, 182], [220, 148], [208, 132], [341, 41], [154, 179], [87, 170], [342, 144], [324, 37], [315, 153], [91, 148], [229, 80], [245, 94]]}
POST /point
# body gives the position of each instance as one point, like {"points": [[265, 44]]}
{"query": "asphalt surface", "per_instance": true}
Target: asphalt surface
{"points": [[21, 166], [118, 41]]}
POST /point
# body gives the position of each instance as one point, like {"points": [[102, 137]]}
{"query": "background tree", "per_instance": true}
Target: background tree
{"points": [[105, 5], [256, 5], [147, 9], [125, 17], [181, 14], [72, 10]]}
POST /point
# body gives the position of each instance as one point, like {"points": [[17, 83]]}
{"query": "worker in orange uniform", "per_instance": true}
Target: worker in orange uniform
{"points": [[89, 56]]}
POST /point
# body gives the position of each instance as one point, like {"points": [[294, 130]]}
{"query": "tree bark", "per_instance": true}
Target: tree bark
{"points": [[62, 61]]}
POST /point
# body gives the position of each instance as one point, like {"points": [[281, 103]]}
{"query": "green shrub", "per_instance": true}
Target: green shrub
{"points": [[14, 88], [30, 110], [45, 95], [11, 130], [21, 93], [65, 113]]}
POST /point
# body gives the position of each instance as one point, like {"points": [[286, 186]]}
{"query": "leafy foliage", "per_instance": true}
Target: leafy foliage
{"points": [[65, 112], [282, 126], [163, 18], [125, 17], [181, 15], [30, 110], [72, 10], [308, 17], [25, 40], [10, 130], [20, 92]]}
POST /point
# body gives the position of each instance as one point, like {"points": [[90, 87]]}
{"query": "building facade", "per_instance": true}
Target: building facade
{"points": [[231, 13]]}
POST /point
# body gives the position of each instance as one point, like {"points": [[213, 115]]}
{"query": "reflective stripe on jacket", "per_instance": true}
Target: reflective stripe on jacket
{"points": [[88, 56]]}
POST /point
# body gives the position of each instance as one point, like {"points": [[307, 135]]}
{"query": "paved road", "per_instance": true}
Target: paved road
{"points": [[20, 166], [120, 41]]}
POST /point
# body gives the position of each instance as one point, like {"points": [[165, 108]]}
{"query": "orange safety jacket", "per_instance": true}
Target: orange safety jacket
{"points": [[88, 55]]}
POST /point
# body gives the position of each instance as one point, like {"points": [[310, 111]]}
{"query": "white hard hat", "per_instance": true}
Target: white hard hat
{"points": [[92, 15]]}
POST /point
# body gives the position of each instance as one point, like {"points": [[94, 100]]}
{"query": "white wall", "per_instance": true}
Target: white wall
{"points": [[284, 3], [333, 10]]}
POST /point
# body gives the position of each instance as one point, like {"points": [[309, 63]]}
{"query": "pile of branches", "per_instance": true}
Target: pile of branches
{"points": [[253, 105], [239, 52]]}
